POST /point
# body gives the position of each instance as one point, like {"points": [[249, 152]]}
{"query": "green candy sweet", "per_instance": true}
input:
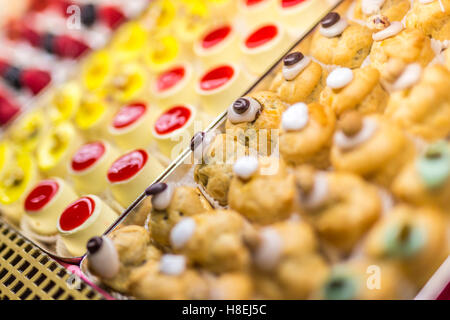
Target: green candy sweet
{"points": [[340, 286], [403, 240], [434, 165]]}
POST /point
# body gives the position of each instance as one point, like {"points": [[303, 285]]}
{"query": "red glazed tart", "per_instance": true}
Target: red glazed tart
{"points": [[131, 173], [83, 219], [44, 204], [89, 165]]}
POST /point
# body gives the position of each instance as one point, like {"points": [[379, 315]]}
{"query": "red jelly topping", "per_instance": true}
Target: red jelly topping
{"points": [[261, 36], [216, 78], [127, 166], [173, 119], [215, 37], [170, 78], [253, 2], [290, 3], [76, 213], [87, 155], [128, 115], [41, 195]]}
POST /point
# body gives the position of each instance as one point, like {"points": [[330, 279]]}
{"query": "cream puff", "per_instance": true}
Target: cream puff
{"points": [[306, 134], [394, 10], [299, 80], [338, 42], [131, 173], [89, 166]]}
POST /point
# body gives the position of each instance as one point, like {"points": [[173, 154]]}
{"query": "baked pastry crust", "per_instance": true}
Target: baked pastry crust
{"points": [[394, 10], [430, 19]]}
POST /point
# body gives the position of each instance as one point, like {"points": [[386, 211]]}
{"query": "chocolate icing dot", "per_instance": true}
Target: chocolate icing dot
{"points": [[197, 140], [293, 58], [241, 105], [155, 189], [88, 14], [330, 19], [94, 244]]}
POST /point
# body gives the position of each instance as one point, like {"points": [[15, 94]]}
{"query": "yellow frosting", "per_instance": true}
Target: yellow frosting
{"points": [[90, 112], [65, 102], [162, 52], [97, 69], [29, 130]]}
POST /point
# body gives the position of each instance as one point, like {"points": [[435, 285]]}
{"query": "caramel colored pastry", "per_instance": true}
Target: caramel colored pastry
{"points": [[338, 42], [170, 204], [213, 241], [267, 176], [341, 206], [215, 171], [232, 286], [372, 147], [446, 54], [424, 109], [252, 118], [426, 180], [300, 80], [408, 45], [361, 92], [395, 10], [415, 239], [306, 134], [432, 18], [287, 263], [364, 280]]}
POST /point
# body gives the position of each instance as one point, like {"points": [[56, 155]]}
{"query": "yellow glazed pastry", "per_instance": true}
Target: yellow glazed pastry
{"points": [[426, 180], [357, 89], [7, 159], [371, 147], [423, 108], [338, 42], [127, 83], [431, 17], [266, 176], [170, 204], [97, 70], [414, 238], [28, 131], [93, 116], [307, 134], [162, 52], [394, 10], [129, 41], [300, 79], [65, 102], [341, 206]]}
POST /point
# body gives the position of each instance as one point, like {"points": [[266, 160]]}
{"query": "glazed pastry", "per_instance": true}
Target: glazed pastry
{"points": [[232, 286], [131, 173], [307, 134], [251, 120], [93, 116], [266, 176], [162, 52], [338, 42], [65, 102], [57, 148], [45, 203], [213, 241], [129, 41], [83, 219], [89, 166], [126, 83], [432, 17], [426, 180], [97, 70], [413, 238], [262, 44], [27, 132], [372, 147], [364, 280], [357, 89], [218, 84], [215, 171], [129, 127], [394, 10], [424, 108], [169, 205], [341, 206], [7, 157], [300, 79], [287, 262]]}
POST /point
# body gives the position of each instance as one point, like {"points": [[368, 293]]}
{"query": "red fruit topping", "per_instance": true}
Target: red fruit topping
{"points": [[216, 77], [127, 166], [290, 3], [128, 115], [215, 36], [87, 156], [170, 78], [172, 119], [111, 16], [67, 47], [8, 109], [35, 80], [41, 194], [261, 36], [253, 2], [76, 213]]}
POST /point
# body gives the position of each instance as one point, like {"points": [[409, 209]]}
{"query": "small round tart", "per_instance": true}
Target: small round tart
{"points": [[127, 83], [264, 43], [83, 219], [92, 116], [173, 129], [56, 149], [174, 85], [296, 15], [65, 102], [131, 173], [162, 53], [218, 46], [89, 166], [223, 8], [218, 85], [44, 204], [130, 126], [20, 176], [97, 69], [6, 157], [129, 41], [28, 131], [256, 12]]}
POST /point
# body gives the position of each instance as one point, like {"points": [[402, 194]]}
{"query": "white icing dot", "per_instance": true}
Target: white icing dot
{"points": [[335, 30], [346, 143], [105, 262], [318, 194], [161, 201], [339, 78], [245, 167], [370, 7], [291, 72], [393, 29], [172, 264], [248, 116], [409, 77], [295, 117], [426, 1], [269, 252], [182, 232]]}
